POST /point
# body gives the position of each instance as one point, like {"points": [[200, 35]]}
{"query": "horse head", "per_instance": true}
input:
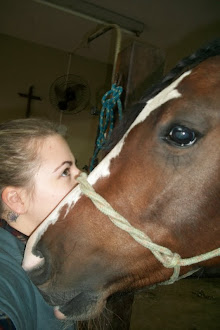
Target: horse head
{"points": [[162, 176]]}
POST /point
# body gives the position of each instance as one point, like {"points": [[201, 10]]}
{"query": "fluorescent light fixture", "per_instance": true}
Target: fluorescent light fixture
{"points": [[96, 13]]}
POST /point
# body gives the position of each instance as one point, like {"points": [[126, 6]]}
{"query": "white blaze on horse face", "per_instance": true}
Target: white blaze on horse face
{"points": [[169, 93], [101, 170]]}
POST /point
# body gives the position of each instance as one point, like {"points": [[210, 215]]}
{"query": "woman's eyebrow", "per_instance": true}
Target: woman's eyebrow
{"points": [[69, 162]]}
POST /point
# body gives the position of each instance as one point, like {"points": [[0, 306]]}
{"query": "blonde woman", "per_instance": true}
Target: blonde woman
{"points": [[37, 169]]}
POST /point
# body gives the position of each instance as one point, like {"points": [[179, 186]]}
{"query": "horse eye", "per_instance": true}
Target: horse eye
{"points": [[182, 136]]}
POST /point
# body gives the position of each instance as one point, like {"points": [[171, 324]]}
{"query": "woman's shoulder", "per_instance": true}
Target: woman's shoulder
{"points": [[19, 298], [15, 287], [10, 247]]}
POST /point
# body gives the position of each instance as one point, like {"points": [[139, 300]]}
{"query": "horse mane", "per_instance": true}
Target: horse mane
{"points": [[187, 63]]}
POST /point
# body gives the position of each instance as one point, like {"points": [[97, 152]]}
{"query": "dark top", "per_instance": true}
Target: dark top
{"points": [[21, 305]]}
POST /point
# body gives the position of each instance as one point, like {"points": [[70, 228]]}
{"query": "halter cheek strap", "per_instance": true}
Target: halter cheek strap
{"points": [[163, 254]]}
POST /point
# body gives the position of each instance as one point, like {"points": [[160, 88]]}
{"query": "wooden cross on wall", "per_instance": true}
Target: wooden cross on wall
{"points": [[30, 97]]}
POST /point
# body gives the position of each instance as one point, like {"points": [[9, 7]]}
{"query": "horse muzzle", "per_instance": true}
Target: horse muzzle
{"points": [[82, 307]]}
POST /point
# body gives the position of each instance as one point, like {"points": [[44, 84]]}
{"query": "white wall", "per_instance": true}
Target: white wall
{"points": [[23, 64]]}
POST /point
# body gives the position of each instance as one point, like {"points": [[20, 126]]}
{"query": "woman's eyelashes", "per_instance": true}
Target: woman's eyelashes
{"points": [[66, 172]]}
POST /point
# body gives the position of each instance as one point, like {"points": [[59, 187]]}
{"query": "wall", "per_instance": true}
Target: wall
{"points": [[190, 43], [23, 64]]}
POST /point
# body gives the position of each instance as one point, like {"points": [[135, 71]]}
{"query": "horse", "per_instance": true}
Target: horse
{"points": [[149, 212]]}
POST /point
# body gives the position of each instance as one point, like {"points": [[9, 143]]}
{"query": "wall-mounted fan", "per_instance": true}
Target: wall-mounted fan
{"points": [[69, 94]]}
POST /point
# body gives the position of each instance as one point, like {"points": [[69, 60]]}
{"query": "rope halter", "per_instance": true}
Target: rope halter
{"points": [[161, 253]]}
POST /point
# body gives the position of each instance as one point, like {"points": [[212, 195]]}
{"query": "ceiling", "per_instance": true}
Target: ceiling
{"points": [[167, 23]]}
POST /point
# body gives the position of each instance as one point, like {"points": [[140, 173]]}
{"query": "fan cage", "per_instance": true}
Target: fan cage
{"points": [[60, 91]]}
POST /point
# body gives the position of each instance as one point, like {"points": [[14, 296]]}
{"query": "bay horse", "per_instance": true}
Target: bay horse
{"points": [[150, 211]]}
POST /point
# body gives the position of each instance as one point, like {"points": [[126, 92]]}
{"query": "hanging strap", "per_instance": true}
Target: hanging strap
{"points": [[106, 119]]}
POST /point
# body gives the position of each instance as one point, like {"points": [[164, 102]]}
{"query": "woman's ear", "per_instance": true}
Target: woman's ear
{"points": [[14, 198]]}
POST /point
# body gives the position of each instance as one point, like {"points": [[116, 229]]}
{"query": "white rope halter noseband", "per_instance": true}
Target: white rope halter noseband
{"points": [[163, 254]]}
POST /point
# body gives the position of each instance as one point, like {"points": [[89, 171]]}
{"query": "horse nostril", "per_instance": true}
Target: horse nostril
{"points": [[31, 261], [38, 253], [36, 264], [59, 315]]}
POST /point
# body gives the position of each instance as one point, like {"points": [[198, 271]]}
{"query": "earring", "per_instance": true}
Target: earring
{"points": [[12, 216]]}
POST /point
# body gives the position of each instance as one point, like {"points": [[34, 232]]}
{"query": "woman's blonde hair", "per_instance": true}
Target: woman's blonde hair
{"points": [[19, 143]]}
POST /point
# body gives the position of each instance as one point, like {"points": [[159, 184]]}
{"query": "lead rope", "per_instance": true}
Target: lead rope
{"points": [[163, 254], [110, 100]]}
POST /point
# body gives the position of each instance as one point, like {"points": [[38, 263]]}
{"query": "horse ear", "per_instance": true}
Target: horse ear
{"points": [[13, 197]]}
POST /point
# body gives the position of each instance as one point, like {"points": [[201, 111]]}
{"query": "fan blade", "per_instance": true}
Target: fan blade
{"points": [[70, 94], [62, 105], [60, 93]]}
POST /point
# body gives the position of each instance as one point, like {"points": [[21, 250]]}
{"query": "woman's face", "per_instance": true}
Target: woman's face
{"points": [[55, 177]]}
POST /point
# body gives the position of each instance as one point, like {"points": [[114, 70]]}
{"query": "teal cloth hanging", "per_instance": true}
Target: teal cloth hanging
{"points": [[106, 119]]}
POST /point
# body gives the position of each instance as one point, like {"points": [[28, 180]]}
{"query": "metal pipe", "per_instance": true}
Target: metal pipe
{"points": [[103, 30], [97, 14], [99, 32]]}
